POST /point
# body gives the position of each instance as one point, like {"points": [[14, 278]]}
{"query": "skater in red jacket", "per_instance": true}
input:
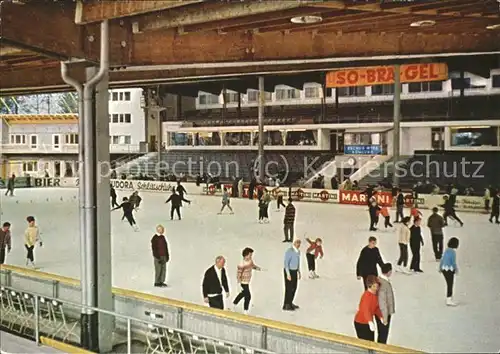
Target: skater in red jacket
{"points": [[314, 250]]}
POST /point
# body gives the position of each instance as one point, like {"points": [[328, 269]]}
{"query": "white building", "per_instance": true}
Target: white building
{"points": [[39, 144]]}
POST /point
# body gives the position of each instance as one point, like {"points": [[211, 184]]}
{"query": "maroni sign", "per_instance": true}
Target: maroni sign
{"points": [[377, 75]]}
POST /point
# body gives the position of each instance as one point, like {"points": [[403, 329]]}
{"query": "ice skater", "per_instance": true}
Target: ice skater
{"points": [[292, 275], [244, 275], [31, 238], [226, 200], [161, 256], [384, 211], [415, 213], [404, 233], [373, 212], [314, 251], [264, 208], [400, 203], [113, 196], [495, 208], [128, 209], [385, 302], [436, 223], [416, 241], [175, 201], [448, 267], [367, 309], [10, 185], [279, 199], [214, 282], [135, 199], [449, 210], [5, 241], [182, 191], [368, 260], [289, 221]]}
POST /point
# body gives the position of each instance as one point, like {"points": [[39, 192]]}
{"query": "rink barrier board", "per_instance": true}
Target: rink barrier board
{"points": [[64, 347], [133, 303], [424, 201]]}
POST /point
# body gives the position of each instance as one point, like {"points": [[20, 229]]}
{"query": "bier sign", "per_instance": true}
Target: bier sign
{"points": [[377, 75]]}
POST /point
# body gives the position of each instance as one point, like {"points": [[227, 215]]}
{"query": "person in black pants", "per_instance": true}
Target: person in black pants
{"points": [[181, 190], [292, 275], [416, 241], [373, 210], [368, 260], [495, 208], [113, 197], [128, 209], [436, 223], [400, 203], [449, 210], [448, 266], [176, 203], [214, 281]]}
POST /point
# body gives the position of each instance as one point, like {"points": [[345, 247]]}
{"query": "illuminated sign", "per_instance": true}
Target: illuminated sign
{"points": [[376, 75], [362, 150]]}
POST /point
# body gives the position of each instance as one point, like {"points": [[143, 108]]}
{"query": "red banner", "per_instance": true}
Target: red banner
{"points": [[376, 75], [360, 198]]}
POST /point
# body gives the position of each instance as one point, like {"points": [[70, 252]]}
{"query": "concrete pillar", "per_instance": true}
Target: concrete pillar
{"points": [[224, 102], [397, 120], [98, 247], [262, 103], [239, 104]]}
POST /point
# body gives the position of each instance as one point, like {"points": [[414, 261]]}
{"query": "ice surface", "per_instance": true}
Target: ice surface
{"points": [[422, 321]]}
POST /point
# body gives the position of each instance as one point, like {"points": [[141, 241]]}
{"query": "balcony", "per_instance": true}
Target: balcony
{"points": [[65, 149]]}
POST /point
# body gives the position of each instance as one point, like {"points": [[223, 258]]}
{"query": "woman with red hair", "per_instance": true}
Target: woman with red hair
{"points": [[368, 308]]}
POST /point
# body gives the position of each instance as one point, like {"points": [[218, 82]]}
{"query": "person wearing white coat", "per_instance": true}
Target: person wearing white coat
{"points": [[403, 232]]}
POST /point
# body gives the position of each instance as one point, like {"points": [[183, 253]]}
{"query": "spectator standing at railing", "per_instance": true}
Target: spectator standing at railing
{"points": [[334, 182], [10, 185], [5, 241], [240, 188]]}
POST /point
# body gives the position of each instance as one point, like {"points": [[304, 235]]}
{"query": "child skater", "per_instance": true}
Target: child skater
{"points": [[279, 199], [226, 200], [315, 249], [244, 275], [373, 211], [415, 213], [384, 211], [31, 237], [128, 209]]}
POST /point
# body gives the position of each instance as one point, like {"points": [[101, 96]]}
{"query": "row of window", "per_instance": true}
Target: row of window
{"points": [[121, 140], [284, 94], [22, 139], [119, 96], [120, 118]]}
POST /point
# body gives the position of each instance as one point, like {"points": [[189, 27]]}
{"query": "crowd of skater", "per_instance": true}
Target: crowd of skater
{"points": [[377, 304]]}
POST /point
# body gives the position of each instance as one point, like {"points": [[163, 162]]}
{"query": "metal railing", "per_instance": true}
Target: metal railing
{"points": [[64, 149], [34, 315]]}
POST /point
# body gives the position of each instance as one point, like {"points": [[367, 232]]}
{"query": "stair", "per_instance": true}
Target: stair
{"points": [[384, 171]]}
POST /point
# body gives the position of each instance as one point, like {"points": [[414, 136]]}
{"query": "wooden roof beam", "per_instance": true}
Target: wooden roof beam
{"points": [[210, 12], [96, 11]]}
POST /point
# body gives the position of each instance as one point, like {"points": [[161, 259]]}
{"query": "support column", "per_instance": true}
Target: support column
{"points": [[397, 120], [224, 102], [262, 103], [96, 331], [239, 104], [160, 133]]}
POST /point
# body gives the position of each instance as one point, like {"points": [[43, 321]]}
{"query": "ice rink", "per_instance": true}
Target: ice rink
{"points": [[422, 321]]}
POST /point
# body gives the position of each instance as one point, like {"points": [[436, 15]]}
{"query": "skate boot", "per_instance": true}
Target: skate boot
{"points": [[449, 302]]}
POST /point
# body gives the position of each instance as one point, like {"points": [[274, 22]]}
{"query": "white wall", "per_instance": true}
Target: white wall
{"points": [[136, 129], [415, 139]]}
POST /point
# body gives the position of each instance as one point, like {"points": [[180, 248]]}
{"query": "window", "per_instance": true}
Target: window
{"points": [[231, 97], [121, 96], [30, 166], [495, 81], [128, 118], [71, 139], [474, 136], [127, 96], [18, 139], [115, 139], [252, 96], [352, 91], [459, 83], [56, 141], [383, 89], [287, 94], [433, 86], [115, 96], [209, 99], [437, 138], [127, 139], [311, 92], [33, 141], [115, 118]]}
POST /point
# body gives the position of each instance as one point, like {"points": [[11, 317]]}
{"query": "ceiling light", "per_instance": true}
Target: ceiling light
{"points": [[493, 27], [425, 23], [306, 19]]}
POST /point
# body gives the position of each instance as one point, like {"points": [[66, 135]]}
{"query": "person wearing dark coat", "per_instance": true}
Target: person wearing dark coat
{"points": [[10, 185], [175, 201], [449, 211], [416, 241], [368, 260], [128, 209], [251, 188], [436, 223], [161, 256], [373, 210], [369, 191], [113, 197], [400, 204], [182, 191], [495, 208], [214, 282]]}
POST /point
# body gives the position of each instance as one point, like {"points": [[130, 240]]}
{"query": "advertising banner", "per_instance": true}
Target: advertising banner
{"points": [[360, 198], [377, 75], [362, 150]]}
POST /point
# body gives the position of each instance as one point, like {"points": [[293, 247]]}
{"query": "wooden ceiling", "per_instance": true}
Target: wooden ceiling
{"points": [[165, 35]]}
